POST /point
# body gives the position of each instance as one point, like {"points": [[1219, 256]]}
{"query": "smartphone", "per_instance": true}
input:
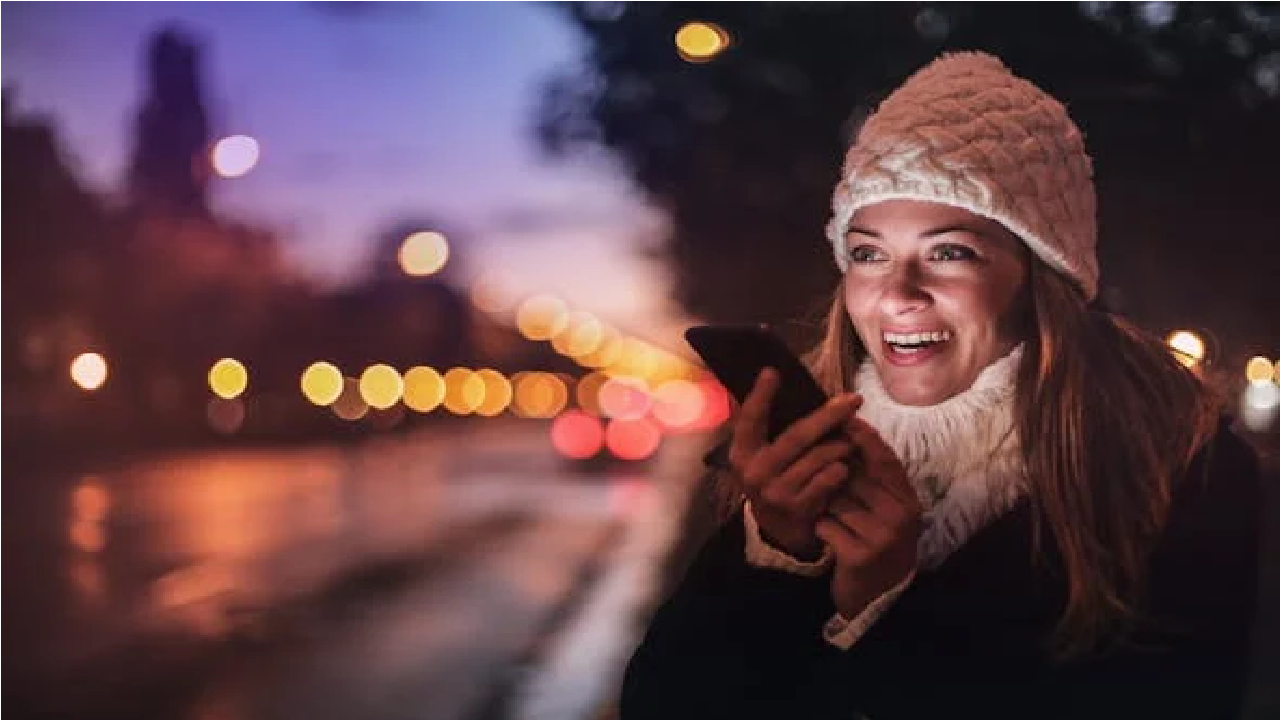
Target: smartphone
{"points": [[736, 354]]}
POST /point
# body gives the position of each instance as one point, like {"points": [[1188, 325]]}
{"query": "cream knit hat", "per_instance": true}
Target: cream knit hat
{"points": [[964, 131]]}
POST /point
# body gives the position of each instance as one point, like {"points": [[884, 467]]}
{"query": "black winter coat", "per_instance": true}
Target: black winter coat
{"points": [[967, 639]]}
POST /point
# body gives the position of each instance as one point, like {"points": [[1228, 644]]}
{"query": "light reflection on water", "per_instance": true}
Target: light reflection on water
{"points": [[201, 540]]}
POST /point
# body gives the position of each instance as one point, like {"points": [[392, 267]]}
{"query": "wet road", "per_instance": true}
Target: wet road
{"points": [[463, 573]]}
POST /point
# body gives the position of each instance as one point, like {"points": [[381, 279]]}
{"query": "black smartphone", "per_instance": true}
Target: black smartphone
{"points": [[737, 353]]}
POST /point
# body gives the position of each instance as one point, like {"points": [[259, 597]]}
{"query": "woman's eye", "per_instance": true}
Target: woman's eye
{"points": [[953, 252], [865, 253]]}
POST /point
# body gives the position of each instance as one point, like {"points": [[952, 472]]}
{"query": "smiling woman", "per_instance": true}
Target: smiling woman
{"points": [[1033, 509]]}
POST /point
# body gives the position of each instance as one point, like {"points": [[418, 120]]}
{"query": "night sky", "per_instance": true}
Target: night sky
{"points": [[367, 114]]}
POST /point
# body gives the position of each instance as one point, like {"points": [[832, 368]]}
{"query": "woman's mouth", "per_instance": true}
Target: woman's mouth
{"points": [[913, 348]]}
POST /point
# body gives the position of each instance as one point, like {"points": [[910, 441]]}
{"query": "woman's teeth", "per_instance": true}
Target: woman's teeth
{"points": [[915, 342]]}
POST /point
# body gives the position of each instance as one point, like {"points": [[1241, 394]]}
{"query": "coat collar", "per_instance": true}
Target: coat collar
{"points": [[962, 455]]}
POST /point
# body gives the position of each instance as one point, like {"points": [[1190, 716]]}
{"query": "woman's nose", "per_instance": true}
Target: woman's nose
{"points": [[903, 292]]}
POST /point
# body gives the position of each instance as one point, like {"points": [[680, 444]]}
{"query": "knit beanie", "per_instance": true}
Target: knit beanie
{"points": [[964, 131]]}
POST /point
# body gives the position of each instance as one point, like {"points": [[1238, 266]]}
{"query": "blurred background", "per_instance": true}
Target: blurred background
{"points": [[342, 366]]}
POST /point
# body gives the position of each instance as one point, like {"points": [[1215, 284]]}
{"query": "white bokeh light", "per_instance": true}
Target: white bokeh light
{"points": [[235, 156]]}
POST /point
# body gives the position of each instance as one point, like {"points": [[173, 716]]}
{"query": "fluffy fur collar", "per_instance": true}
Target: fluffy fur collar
{"points": [[961, 455]]}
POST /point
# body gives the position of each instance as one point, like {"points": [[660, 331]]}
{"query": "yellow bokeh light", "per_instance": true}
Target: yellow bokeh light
{"points": [[89, 370], [349, 405], [235, 155], [423, 389], [497, 393], [588, 392], [424, 253], [1188, 346], [228, 378], [1260, 370], [541, 317], [322, 383], [607, 352], [381, 386], [700, 41], [636, 359], [464, 391], [580, 337], [540, 395]]}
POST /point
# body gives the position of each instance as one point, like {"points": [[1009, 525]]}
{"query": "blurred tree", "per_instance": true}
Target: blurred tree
{"points": [[56, 264], [1178, 103]]}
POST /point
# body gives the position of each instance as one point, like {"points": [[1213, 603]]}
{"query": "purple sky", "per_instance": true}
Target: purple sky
{"points": [[365, 115]]}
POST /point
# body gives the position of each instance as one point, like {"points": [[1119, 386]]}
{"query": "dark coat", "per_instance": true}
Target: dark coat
{"points": [[967, 639]]}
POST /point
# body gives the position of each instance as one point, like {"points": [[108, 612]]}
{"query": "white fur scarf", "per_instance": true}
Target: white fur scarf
{"points": [[962, 455]]}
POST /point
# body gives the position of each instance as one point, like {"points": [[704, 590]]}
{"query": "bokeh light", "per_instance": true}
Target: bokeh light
{"points": [[588, 392], [576, 435], [1259, 405], [540, 395], [700, 41], [607, 353], [716, 405], [632, 439], [90, 503], [89, 370], [463, 391], [580, 337], [624, 398], [235, 156], [497, 393], [381, 386], [541, 317], [1187, 346], [225, 415], [678, 404], [423, 389], [90, 500], [1260, 370], [228, 378], [424, 253], [322, 383], [349, 405]]}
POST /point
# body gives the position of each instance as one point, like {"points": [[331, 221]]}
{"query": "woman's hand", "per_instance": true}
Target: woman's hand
{"points": [[791, 480], [872, 525]]}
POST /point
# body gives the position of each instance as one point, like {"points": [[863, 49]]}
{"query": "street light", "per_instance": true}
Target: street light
{"points": [[235, 156], [1259, 371], [1187, 347], [424, 253], [699, 42], [89, 371], [228, 378]]}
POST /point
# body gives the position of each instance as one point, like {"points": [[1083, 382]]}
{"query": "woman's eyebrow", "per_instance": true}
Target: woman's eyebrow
{"points": [[943, 230]]}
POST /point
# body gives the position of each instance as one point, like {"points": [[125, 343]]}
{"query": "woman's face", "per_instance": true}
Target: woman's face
{"points": [[933, 292]]}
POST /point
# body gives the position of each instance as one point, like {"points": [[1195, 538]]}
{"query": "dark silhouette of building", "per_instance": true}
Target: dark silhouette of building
{"points": [[170, 170]]}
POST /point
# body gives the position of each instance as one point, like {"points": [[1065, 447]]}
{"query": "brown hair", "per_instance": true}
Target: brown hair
{"points": [[1107, 419]]}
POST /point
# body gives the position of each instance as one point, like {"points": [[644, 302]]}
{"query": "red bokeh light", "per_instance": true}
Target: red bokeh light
{"points": [[632, 439], [577, 435]]}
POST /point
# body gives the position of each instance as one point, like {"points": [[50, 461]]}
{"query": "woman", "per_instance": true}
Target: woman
{"points": [[1034, 511]]}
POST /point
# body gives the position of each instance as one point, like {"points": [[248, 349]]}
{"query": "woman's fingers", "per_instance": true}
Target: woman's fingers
{"points": [[845, 544], [751, 429], [821, 487], [805, 433]]}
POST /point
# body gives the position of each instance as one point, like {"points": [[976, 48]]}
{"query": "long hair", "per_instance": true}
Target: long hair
{"points": [[1107, 421]]}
